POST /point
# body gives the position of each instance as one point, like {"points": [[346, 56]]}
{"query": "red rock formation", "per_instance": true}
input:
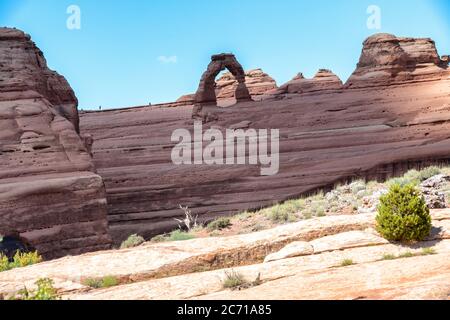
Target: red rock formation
{"points": [[387, 60], [49, 193], [28, 75], [257, 82], [323, 80], [326, 136], [206, 91]]}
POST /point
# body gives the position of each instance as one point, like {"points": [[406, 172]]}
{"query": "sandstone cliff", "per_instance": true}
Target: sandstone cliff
{"points": [[49, 192], [393, 115]]}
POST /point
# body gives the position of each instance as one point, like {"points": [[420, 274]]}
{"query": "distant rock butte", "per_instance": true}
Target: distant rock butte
{"points": [[387, 60], [49, 192], [323, 80]]}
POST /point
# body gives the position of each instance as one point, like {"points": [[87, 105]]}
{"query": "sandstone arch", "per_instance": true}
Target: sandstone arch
{"points": [[206, 94]]}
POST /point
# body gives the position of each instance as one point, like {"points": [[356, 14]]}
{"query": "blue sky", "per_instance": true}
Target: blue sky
{"points": [[135, 52]]}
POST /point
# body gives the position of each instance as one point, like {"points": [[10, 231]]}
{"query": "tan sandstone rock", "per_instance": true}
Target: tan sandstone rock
{"points": [[295, 249], [49, 192]]}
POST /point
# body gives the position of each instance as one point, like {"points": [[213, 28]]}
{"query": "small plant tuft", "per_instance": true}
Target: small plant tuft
{"points": [[219, 224], [407, 254], [389, 257], [133, 241], [347, 262], [105, 282], [234, 280], [20, 260], [428, 251], [45, 291], [179, 235]]}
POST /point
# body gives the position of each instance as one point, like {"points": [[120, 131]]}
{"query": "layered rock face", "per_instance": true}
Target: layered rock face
{"points": [[326, 136], [24, 70], [387, 60], [49, 192], [323, 80], [257, 81]]}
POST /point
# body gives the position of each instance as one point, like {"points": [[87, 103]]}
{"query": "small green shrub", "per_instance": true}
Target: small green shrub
{"points": [[219, 224], [4, 263], [407, 254], [234, 280], [179, 235], [389, 257], [45, 291], [347, 262], [428, 251], [159, 238], [132, 242], [403, 215], [280, 214], [105, 282], [19, 260]]}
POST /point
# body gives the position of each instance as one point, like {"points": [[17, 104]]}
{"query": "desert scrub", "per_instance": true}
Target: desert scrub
{"points": [[105, 282], [428, 251], [44, 291], [428, 173], [407, 254], [403, 215], [179, 235], [133, 241], [219, 224], [234, 280], [347, 262], [389, 256], [280, 214], [416, 177], [19, 260]]}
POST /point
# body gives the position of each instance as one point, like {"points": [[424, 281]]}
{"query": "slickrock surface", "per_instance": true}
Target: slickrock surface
{"points": [[374, 128], [49, 192], [180, 270]]}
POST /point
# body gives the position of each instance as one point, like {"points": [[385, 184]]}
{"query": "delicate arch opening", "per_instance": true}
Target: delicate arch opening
{"points": [[206, 93]]}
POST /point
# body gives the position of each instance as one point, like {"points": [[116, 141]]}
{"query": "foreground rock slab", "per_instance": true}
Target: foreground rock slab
{"points": [[170, 259], [197, 268]]}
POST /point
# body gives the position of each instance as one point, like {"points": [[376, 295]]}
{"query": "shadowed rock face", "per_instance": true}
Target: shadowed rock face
{"points": [[49, 192], [393, 115], [206, 92]]}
